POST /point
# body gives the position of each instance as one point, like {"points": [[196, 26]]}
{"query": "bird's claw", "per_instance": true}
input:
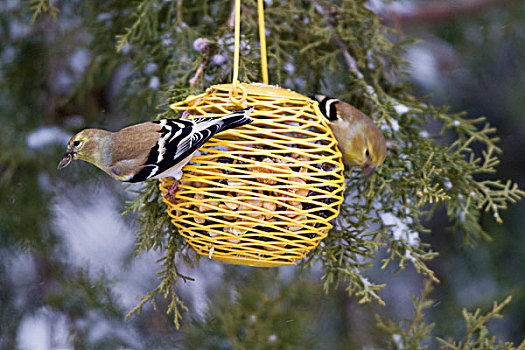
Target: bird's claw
{"points": [[174, 188]]}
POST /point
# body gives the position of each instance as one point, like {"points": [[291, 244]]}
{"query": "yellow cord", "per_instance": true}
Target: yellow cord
{"points": [[236, 47], [264, 64], [262, 39]]}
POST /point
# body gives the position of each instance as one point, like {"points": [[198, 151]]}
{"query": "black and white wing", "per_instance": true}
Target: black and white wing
{"points": [[180, 138], [327, 106]]}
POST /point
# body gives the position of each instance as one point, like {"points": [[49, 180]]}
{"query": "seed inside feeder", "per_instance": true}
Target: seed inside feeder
{"points": [[288, 197]]}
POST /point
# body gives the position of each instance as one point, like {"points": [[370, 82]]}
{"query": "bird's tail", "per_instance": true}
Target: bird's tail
{"points": [[229, 121]]}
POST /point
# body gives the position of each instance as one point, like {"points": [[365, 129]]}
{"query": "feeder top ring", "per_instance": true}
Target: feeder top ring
{"points": [[233, 94]]}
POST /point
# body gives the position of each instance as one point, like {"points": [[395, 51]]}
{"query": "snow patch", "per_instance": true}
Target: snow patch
{"points": [[371, 90], [401, 108], [21, 268], [398, 340], [166, 40], [402, 6], [106, 16], [64, 81], [289, 67], [18, 30], [47, 136], [424, 65], [96, 236], [400, 230], [79, 61], [150, 68], [409, 256], [125, 49], [395, 125], [44, 330], [8, 5], [154, 83]]}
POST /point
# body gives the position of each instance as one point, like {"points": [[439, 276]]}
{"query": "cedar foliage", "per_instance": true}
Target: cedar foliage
{"points": [[421, 172], [342, 50]]}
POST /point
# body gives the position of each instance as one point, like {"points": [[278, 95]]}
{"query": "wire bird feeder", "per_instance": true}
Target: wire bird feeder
{"points": [[262, 194]]}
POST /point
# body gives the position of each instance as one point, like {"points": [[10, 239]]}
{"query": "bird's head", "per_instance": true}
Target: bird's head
{"points": [[81, 146], [366, 147]]}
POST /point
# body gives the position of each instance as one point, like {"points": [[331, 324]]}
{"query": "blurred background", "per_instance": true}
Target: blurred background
{"points": [[68, 270]]}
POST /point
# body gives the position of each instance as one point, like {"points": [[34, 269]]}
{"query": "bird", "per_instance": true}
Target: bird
{"points": [[358, 138], [149, 150]]}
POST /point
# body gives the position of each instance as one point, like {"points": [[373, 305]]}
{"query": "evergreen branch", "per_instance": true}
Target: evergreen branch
{"points": [[179, 11], [339, 266], [414, 333], [477, 335], [198, 73], [382, 212], [155, 224], [39, 7], [168, 278], [350, 61], [231, 20], [144, 25]]}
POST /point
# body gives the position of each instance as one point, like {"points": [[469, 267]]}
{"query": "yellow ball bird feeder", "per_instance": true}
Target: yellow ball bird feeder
{"points": [[262, 194]]}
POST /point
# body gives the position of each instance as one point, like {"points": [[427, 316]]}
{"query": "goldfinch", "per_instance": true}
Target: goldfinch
{"points": [[358, 138], [149, 150]]}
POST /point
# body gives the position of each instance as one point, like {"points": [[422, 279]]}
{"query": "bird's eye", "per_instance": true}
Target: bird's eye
{"points": [[367, 153], [76, 143]]}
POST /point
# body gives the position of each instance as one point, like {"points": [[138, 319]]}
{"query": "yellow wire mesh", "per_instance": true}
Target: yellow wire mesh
{"points": [[262, 194]]}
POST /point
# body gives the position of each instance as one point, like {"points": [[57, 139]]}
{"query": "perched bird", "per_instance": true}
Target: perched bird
{"points": [[149, 150], [358, 138]]}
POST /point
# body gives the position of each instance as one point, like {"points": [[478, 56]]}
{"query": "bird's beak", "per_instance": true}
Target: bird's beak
{"points": [[66, 159], [368, 170]]}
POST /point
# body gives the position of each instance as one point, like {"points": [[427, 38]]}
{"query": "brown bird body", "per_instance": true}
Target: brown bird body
{"points": [[149, 150], [101, 148], [360, 141]]}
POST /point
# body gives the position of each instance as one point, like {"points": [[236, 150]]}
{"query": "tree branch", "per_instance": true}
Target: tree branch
{"points": [[350, 61], [199, 72]]}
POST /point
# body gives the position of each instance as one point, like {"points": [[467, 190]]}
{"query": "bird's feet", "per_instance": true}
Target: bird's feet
{"points": [[173, 190]]}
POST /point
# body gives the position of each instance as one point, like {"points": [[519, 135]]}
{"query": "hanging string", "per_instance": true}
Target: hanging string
{"points": [[237, 36], [235, 84], [262, 39]]}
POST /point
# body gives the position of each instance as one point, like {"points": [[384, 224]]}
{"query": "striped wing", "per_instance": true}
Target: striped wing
{"points": [[327, 106], [178, 139], [174, 140]]}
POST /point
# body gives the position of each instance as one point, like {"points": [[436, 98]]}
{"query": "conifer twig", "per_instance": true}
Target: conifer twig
{"points": [[198, 73], [350, 61], [179, 11], [200, 70], [231, 19]]}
